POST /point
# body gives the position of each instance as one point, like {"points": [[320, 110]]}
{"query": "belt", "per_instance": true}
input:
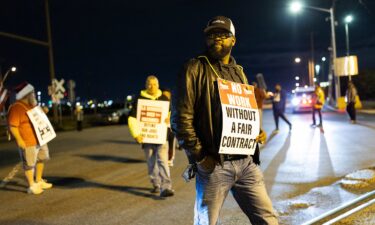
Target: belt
{"points": [[234, 157]]}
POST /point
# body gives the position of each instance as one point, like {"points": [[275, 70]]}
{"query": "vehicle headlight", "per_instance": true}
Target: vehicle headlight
{"points": [[295, 101]]}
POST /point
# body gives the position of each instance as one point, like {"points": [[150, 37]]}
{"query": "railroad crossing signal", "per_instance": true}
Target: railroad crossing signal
{"points": [[57, 90]]}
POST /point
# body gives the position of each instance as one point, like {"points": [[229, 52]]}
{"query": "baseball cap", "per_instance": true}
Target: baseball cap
{"points": [[220, 22]]}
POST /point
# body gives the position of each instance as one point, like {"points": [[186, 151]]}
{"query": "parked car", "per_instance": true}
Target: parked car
{"points": [[302, 100], [108, 116]]}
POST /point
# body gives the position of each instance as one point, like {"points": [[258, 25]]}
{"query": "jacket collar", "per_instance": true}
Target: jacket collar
{"points": [[147, 95], [232, 61]]}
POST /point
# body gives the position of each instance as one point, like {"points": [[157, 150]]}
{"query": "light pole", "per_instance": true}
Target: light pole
{"points": [[12, 69], [348, 19], [296, 7]]}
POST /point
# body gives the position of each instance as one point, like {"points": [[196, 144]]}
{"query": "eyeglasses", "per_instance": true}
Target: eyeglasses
{"points": [[219, 35]]}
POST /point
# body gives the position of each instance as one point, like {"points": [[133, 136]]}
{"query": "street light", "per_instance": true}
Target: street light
{"points": [[12, 69], [297, 60], [296, 7], [348, 19]]}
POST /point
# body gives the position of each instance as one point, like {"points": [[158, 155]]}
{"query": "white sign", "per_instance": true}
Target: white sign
{"points": [[42, 127], [346, 66], [152, 115], [241, 123]]}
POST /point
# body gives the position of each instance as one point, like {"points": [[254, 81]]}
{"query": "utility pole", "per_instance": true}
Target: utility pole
{"points": [[47, 44], [334, 53], [311, 63], [50, 57]]}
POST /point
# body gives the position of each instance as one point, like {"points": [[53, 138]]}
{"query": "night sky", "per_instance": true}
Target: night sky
{"points": [[110, 47]]}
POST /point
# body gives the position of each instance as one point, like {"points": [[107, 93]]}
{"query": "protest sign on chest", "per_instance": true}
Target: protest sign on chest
{"points": [[152, 115], [240, 114], [42, 126]]}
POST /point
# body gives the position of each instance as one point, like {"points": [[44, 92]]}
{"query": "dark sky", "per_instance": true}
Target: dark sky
{"points": [[110, 47]]}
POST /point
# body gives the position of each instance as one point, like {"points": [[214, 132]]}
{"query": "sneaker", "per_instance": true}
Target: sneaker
{"points": [[275, 131], [155, 190], [44, 185], [35, 189], [167, 193]]}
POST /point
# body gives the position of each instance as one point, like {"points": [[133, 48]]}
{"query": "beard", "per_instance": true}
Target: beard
{"points": [[220, 53], [32, 100]]}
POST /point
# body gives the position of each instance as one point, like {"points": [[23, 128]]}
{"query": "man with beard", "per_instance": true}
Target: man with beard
{"points": [[32, 155], [197, 123]]}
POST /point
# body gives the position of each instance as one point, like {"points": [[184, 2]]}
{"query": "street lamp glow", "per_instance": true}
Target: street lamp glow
{"points": [[297, 84], [297, 60], [348, 19], [295, 7], [297, 77], [13, 69], [324, 59], [317, 68]]}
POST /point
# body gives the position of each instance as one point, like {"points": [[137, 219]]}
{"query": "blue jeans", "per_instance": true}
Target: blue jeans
{"points": [[157, 164], [245, 180]]}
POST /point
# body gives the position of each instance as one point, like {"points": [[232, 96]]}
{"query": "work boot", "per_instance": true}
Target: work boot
{"points": [[167, 193]]}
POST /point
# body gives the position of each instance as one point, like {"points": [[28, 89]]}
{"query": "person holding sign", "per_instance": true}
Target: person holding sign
{"points": [[216, 120], [32, 154], [148, 125]]}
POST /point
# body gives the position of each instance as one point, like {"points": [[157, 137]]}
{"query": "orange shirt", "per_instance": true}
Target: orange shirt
{"points": [[17, 117]]}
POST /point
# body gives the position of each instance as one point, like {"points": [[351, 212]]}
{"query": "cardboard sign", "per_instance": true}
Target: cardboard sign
{"points": [[152, 115], [42, 126], [241, 123]]}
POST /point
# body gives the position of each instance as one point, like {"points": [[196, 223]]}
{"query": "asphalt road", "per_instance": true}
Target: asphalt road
{"points": [[100, 177]]}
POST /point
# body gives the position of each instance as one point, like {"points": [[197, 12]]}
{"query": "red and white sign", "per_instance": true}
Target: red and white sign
{"points": [[241, 123], [152, 115]]}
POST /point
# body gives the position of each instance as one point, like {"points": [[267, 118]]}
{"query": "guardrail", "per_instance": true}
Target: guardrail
{"points": [[344, 210]]}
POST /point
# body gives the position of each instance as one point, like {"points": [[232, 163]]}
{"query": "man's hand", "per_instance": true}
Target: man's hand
{"points": [[139, 139], [262, 137], [45, 109], [21, 144], [167, 120]]}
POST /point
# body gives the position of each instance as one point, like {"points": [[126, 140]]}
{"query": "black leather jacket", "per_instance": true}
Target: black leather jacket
{"points": [[196, 111]]}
